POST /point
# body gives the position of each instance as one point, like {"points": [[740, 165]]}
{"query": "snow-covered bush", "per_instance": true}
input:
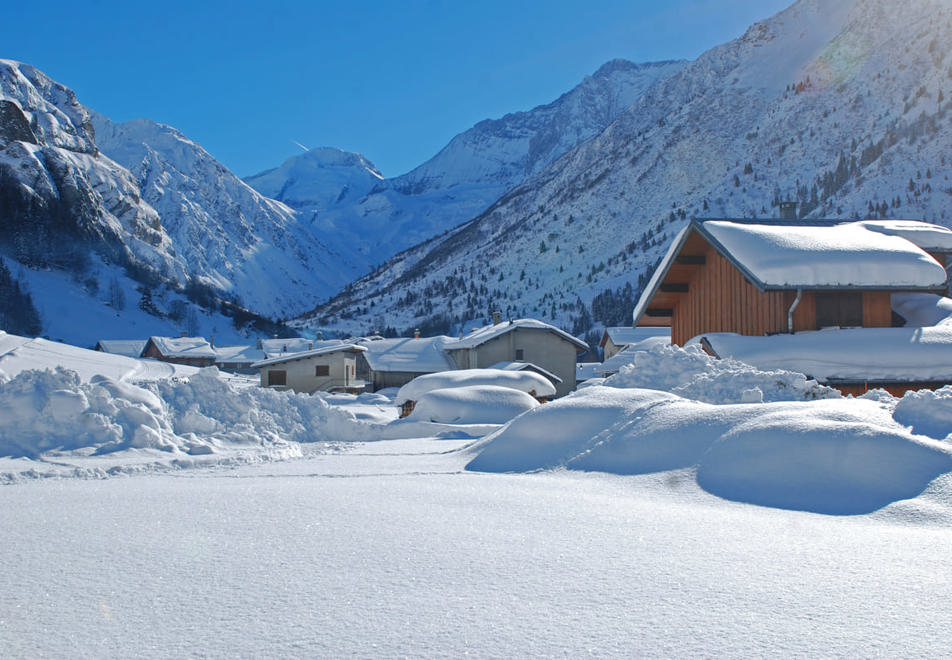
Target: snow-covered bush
{"points": [[691, 373]]}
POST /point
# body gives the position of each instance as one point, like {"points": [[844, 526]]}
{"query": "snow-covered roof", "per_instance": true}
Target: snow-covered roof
{"points": [[238, 354], [624, 336], [276, 347], [846, 255], [127, 347], [922, 308], [524, 381], [526, 366], [184, 347], [814, 255], [421, 355], [302, 355], [482, 335], [930, 237], [916, 354]]}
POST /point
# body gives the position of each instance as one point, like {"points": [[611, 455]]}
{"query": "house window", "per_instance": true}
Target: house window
{"points": [[520, 355], [839, 308], [322, 370], [277, 377]]}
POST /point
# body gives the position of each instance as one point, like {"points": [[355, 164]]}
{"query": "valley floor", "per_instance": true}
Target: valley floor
{"points": [[392, 549]]}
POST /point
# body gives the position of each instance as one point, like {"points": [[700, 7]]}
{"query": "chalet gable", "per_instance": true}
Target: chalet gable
{"points": [[750, 276]]}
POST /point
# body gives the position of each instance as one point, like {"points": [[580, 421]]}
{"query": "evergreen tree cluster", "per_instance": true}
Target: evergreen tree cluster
{"points": [[18, 314]]}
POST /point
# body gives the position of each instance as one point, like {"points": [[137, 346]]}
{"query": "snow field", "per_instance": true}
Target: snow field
{"points": [[388, 550]]}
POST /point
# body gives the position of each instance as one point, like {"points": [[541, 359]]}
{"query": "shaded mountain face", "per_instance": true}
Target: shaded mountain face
{"points": [[837, 104], [60, 197], [348, 203]]}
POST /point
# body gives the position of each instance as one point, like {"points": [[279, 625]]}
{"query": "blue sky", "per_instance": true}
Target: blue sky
{"points": [[394, 81]]}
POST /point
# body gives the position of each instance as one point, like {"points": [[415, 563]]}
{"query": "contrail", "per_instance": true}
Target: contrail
{"points": [[300, 145]]}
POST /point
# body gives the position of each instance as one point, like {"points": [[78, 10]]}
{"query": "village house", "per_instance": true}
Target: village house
{"points": [[193, 351], [395, 362], [522, 340], [327, 368], [768, 278], [238, 359], [127, 347], [615, 340]]}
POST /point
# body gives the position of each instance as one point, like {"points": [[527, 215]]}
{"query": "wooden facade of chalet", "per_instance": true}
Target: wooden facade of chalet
{"points": [[704, 292]]}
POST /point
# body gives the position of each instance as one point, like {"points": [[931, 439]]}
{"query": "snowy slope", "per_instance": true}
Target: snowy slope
{"points": [[350, 205], [227, 235], [837, 104]]}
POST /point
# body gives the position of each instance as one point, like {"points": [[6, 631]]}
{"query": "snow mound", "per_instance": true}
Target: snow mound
{"points": [[838, 456], [476, 404], [693, 374], [55, 410], [524, 381], [927, 412]]}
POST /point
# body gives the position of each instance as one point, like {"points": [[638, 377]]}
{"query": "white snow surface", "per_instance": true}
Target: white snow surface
{"points": [[524, 381], [692, 373], [841, 255], [922, 309], [909, 354], [928, 236], [474, 404], [833, 456]]}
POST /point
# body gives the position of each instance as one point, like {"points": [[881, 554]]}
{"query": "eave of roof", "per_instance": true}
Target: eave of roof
{"points": [[303, 355]]}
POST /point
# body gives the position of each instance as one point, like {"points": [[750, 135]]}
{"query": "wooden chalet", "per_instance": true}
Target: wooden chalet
{"points": [[761, 277]]}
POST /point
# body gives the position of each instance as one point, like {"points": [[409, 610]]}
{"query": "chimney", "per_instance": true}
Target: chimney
{"points": [[497, 318], [416, 333], [310, 346], [211, 340], [788, 210], [258, 344], [320, 335]]}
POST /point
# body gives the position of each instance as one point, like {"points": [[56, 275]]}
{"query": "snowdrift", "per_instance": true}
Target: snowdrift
{"points": [[691, 373], [524, 381], [838, 456], [56, 410], [479, 404]]}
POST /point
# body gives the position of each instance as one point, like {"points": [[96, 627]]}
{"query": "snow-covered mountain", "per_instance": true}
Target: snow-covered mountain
{"points": [[227, 235], [348, 203], [838, 104], [136, 211]]}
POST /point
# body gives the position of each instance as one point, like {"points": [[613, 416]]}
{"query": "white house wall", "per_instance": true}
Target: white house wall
{"points": [[301, 373]]}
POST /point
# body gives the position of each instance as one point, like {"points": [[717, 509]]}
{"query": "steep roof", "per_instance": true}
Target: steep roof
{"points": [[846, 355], [776, 255], [303, 355], [482, 335], [184, 347], [422, 355]]}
